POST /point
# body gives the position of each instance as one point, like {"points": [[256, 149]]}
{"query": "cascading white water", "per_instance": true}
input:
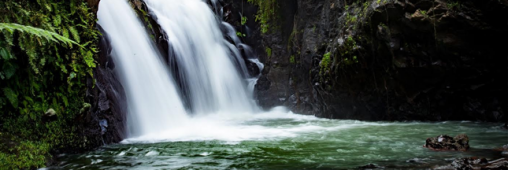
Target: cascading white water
{"points": [[208, 67], [154, 104], [213, 70]]}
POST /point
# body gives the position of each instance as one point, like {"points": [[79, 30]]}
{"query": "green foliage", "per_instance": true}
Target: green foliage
{"points": [[292, 59], [42, 66], [454, 5], [349, 46], [347, 52], [325, 63], [423, 12], [239, 34], [348, 61], [266, 12], [268, 51], [366, 5], [48, 35], [244, 20], [25, 154], [12, 96], [357, 16], [350, 19]]}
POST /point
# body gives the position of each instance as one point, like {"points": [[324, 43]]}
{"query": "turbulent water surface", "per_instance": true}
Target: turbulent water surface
{"points": [[286, 141]]}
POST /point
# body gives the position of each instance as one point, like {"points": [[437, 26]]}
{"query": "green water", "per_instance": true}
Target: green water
{"points": [[304, 144]]}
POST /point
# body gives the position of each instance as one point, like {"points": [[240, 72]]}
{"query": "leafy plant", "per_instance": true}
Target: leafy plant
{"points": [[244, 20], [268, 51], [25, 154], [325, 63], [48, 35], [424, 13], [454, 5], [292, 59], [43, 67], [266, 12], [239, 34]]}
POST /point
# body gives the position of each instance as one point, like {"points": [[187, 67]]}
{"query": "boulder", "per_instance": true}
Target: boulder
{"points": [[447, 143]]}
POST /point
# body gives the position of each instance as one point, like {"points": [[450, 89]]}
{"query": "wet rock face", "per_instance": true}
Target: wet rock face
{"points": [[388, 60], [447, 143], [103, 120]]}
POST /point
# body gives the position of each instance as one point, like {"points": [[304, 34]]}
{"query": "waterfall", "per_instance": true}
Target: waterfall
{"points": [[211, 70], [153, 100]]}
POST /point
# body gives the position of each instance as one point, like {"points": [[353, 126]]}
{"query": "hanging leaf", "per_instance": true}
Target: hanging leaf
{"points": [[9, 70], [66, 102], [29, 99], [73, 7], [5, 54], [48, 35], [89, 59], [11, 96], [57, 19], [65, 33], [8, 36], [74, 33]]}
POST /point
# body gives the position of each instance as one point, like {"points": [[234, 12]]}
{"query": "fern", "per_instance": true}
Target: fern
{"points": [[74, 33], [48, 35]]}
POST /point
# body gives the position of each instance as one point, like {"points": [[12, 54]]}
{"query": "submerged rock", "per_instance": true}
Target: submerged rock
{"points": [[503, 150], [476, 163], [447, 143], [371, 166]]}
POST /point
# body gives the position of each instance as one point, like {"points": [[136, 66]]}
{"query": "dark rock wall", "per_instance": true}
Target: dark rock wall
{"points": [[103, 121], [388, 59]]}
